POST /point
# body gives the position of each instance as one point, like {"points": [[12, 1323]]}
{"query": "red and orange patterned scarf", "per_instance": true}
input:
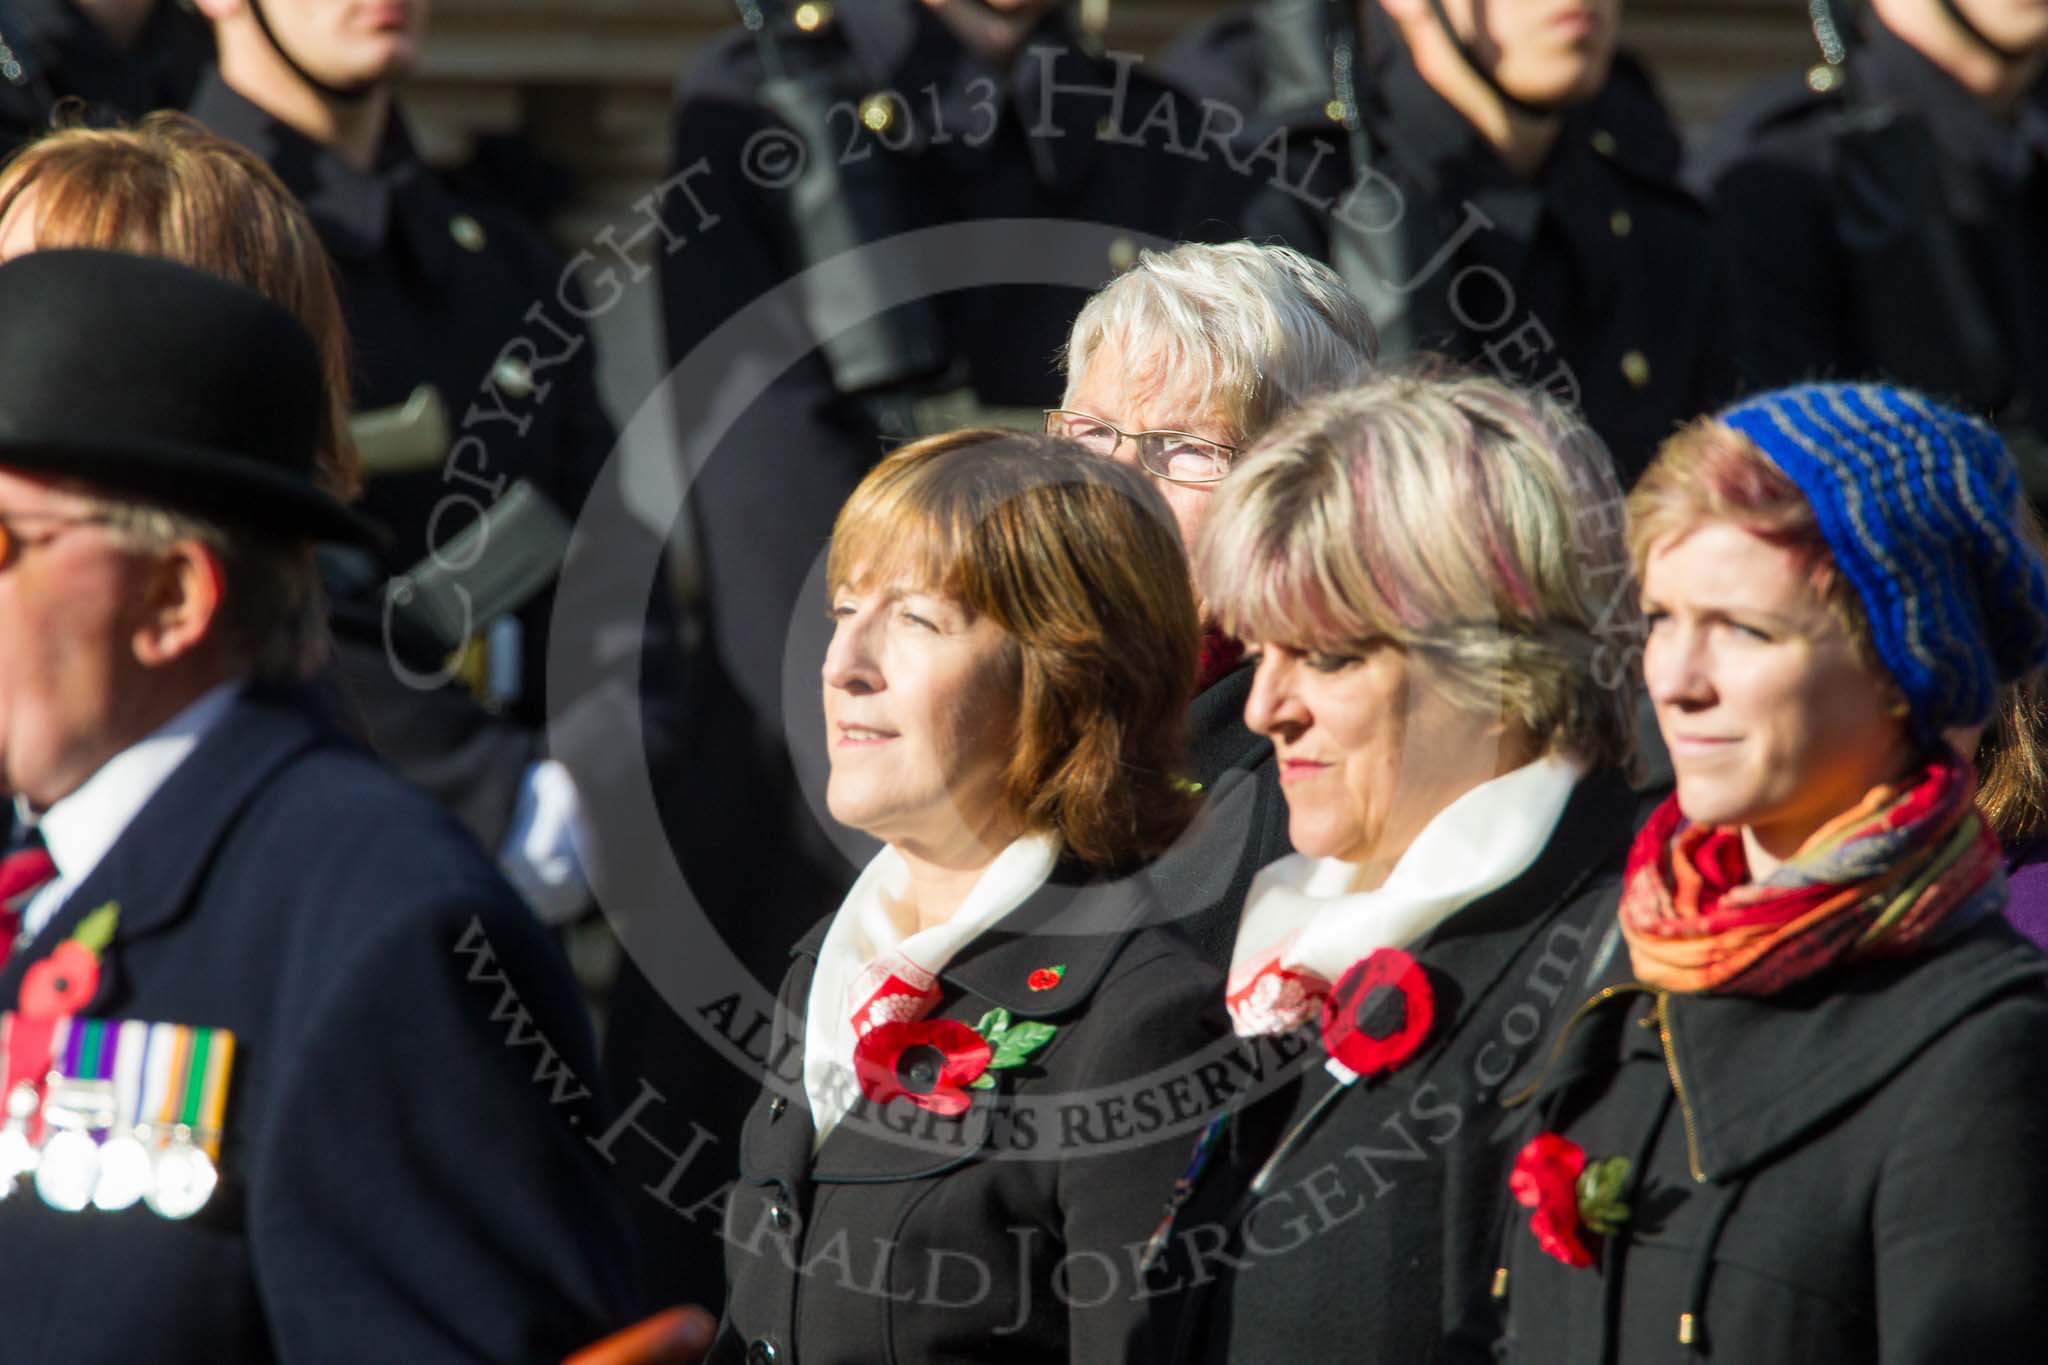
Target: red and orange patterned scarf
{"points": [[1875, 881]]}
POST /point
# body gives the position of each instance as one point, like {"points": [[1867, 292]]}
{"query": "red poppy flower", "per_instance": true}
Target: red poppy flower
{"points": [[61, 983], [1377, 1015], [927, 1063], [1546, 1179], [1045, 978]]}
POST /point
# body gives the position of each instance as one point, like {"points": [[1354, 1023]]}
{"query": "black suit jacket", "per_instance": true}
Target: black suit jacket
{"points": [[404, 1175], [1009, 1232], [1242, 826], [1378, 1226]]}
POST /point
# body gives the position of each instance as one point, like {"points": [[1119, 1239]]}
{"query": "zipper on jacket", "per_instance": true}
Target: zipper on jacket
{"points": [[1564, 1035], [1692, 1139]]}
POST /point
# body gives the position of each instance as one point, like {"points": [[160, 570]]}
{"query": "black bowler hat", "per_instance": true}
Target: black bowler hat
{"points": [[154, 381]]}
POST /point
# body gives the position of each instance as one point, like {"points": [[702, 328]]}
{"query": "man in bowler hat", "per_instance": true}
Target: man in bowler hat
{"points": [[395, 1107]]}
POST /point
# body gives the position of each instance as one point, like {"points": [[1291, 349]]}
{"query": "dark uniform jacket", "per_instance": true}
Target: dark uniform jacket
{"points": [[1892, 229], [1846, 1171], [404, 1175], [1008, 1233], [1597, 281], [50, 50], [458, 294], [1374, 1233]]}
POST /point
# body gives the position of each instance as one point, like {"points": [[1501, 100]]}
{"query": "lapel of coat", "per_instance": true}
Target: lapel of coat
{"points": [[1071, 922], [1472, 954], [153, 867], [1217, 738]]}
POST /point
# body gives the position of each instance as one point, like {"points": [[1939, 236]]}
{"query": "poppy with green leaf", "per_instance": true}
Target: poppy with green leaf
{"points": [[1011, 1044]]}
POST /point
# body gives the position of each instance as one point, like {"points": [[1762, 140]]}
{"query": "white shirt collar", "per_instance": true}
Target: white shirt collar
{"points": [[865, 932], [79, 829]]}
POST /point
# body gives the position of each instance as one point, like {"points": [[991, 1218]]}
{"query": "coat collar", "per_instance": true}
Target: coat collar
{"points": [[1474, 951], [1897, 75], [1077, 920], [154, 866], [1761, 1073], [357, 212], [77, 57]]}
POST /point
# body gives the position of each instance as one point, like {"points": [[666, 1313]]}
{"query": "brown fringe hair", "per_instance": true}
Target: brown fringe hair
{"points": [[167, 187], [1076, 559]]}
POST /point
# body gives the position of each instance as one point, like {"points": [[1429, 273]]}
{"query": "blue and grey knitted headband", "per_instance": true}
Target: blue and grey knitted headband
{"points": [[1918, 502]]}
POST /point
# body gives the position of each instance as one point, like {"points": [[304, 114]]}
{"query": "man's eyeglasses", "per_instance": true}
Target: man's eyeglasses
{"points": [[12, 538], [1176, 456]]}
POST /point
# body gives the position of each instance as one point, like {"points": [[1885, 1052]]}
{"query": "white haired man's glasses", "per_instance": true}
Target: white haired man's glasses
{"points": [[1176, 456]]}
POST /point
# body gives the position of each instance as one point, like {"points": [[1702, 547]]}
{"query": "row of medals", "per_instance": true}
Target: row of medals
{"points": [[167, 1170]]}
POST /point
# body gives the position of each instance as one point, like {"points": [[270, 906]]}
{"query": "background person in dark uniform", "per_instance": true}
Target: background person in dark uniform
{"points": [[121, 58], [458, 307], [1890, 222], [830, 126], [1521, 209], [394, 1179]]}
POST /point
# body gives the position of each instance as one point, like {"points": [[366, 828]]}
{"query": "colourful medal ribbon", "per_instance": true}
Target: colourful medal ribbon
{"points": [[177, 1053], [131, 1053], [194, 1086], [214, 1099]]}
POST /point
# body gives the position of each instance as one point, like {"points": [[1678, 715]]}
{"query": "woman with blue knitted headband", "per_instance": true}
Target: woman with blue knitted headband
{"points": [[1799, 1115]]}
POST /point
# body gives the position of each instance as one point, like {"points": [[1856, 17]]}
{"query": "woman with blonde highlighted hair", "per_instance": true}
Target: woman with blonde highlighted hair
{"points": [[1430, 572], [1005, 694]]}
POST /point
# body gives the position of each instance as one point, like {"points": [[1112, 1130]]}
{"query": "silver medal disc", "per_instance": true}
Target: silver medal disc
{"points": [[126, 1173], [69, 1168], [17, 1158], [184, 1181]]}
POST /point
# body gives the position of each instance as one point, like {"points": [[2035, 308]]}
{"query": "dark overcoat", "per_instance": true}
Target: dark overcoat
{"points": [[1597, 280], [1890, 228], [1373, 1231], [1847, 1171], [1242, 826], [54, 51], [447, 288], [1010, 1232], [404, 1171]]}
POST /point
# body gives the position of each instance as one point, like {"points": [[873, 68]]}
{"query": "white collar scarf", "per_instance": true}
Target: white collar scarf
{"points": [[864, 949], [1303, 927]]}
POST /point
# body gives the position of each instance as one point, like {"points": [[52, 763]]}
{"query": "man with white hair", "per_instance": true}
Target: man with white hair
{"points": [[1176, 366]]}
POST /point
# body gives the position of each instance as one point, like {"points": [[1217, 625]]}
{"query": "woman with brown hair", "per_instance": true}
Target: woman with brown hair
{"points": [[167, 187], [1005, 694]]}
